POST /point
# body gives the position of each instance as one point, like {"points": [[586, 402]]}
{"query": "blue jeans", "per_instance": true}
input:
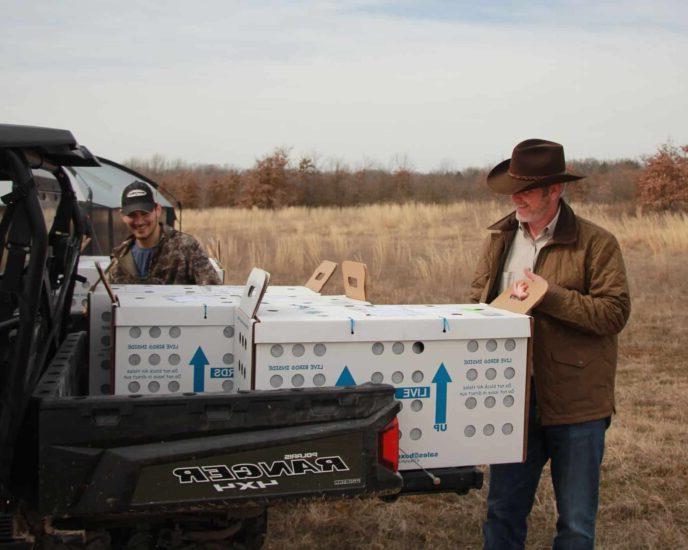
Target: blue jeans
{"points": [[576, 453]]}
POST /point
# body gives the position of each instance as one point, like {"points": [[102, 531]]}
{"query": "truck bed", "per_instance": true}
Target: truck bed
{"points": [[116, 456]]}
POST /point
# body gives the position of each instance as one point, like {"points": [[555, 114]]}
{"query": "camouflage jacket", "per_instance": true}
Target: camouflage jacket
{"points": [[179, 260]]}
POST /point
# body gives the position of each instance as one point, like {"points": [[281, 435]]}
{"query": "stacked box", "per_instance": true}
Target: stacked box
{"points": [[460, 371], [169, 343], [153, 302], [100, 326], [87, 269]]}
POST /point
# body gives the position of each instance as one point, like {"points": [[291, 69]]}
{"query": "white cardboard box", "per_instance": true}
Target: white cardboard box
{"points": [[101, 330], [460, 371], [156, 312], [170, 343]]}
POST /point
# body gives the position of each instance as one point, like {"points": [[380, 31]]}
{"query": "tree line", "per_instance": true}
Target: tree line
{"points": [[276, 180]]}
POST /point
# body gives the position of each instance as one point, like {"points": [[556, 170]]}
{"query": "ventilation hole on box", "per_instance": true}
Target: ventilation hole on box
{"points": [[471, 403], [417, 376], [105, 389], [155, 332], [298, 350], [490, 373], [471, 374], [319, 380], [154, 386], [510, 345], [398, 377], [154, 359], [400, 434], [276, 350], [134, 359], [297, 380], [105, 364], [490, 402], [488, 429], [227, 386], [508, 400], [228, 358], [377, 378], [134, 332], [228, 331], [507, 428], [106, 316], [133, 387], [418, 347], [173, 386], [415, 434], [174, 359], [509, 373], [105, 340], [378, 348], [276, 380], [469, 431], [398, 348], [319, 349], [416, 405], [175, 332], [491, 345], [472, 346]]}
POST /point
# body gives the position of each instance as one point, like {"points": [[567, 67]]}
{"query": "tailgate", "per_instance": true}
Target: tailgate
{"points": [[122, 455]]}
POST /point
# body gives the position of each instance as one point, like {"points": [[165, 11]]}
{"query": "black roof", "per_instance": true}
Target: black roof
{"points": [[13, 135], [57, 146]]}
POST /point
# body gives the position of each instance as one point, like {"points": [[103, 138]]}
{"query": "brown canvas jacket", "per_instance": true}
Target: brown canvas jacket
{"points": [[179, 260], [576, 325]]}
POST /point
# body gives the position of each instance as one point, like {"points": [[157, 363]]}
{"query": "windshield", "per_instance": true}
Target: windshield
{"points": [[107, 182]]}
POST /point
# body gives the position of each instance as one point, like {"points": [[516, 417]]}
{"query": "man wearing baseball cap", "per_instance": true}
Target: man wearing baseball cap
{"points": [[155, 253], [574, 342]]}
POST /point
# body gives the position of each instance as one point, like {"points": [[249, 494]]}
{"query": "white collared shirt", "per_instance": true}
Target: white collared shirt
{"points": [[524, 252]]}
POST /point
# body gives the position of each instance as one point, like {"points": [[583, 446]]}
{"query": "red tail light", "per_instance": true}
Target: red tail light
{"points": [[388, 454]]}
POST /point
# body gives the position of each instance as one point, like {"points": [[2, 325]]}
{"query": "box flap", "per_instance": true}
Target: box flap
{"points": [[254, 290], [355, 275], [321, 275], [536, 292]]}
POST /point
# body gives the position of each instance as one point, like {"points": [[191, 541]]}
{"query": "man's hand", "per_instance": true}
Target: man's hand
{"points": [[519, 290]]}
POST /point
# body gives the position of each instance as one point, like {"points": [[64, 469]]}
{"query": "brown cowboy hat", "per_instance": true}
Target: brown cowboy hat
{"points": [[534, 163]]}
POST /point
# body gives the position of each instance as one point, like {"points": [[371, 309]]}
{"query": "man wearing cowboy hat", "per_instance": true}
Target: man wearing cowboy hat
{"points": [[574, 342]]}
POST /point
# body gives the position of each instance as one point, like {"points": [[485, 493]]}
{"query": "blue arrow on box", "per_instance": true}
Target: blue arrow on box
{"points": [[345, 379], [441, 378], [199, 361]]}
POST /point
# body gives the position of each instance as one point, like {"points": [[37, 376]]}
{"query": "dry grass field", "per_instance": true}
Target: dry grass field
{"points": [[426, 254]]}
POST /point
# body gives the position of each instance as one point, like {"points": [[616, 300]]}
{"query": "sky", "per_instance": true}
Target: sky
{"points": [[428, 85]]}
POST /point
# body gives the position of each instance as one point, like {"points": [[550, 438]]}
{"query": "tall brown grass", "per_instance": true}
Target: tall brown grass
{"points": [[424, 254]]}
